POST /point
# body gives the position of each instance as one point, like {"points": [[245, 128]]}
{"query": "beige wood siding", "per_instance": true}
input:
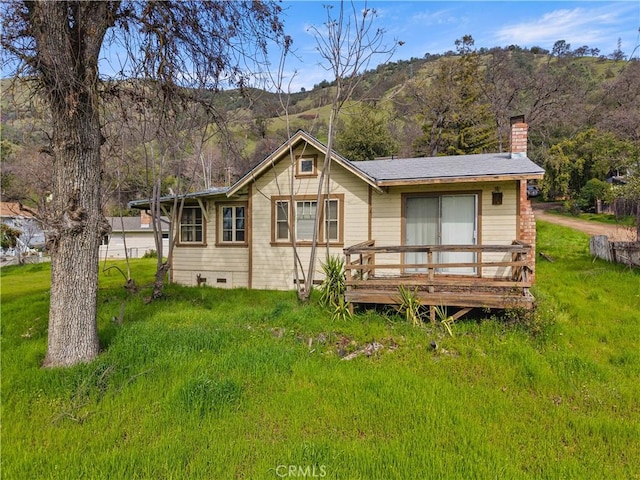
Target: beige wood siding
{"points": [[497, 223], [215, 263], [273, 265]]}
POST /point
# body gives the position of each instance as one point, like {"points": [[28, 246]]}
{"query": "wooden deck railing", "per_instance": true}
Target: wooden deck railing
{"points": [[360, 262], [499, 270]]}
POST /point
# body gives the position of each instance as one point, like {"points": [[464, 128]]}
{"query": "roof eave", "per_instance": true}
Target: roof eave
{"points": [[146, 203], [460, 179]]}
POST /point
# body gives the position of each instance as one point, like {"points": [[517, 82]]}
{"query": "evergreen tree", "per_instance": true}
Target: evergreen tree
{"points": [[365, 135], [457, 118]]}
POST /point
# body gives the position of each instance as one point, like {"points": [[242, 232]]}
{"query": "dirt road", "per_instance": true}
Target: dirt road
{"points": [[614, 232]]}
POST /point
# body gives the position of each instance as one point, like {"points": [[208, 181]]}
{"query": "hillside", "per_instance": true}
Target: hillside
{"points": [[450, 104]]}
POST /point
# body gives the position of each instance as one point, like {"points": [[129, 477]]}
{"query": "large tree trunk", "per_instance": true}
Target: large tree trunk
{"points": [[74, 240], [68, 40]]}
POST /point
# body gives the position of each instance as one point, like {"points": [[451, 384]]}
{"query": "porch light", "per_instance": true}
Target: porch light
{"points": [[496, 197]]}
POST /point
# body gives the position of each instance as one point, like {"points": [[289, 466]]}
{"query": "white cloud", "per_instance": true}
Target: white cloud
{"points": [[434, 17], [578, 26]]}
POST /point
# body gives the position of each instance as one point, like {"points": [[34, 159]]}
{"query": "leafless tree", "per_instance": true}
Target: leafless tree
{"points": [[60, 44], [500, 87], [347, 43], [276, 80], [622, 117]]}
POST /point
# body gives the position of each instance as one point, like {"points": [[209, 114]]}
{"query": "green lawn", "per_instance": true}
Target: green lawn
{"points": [[218, 384]]}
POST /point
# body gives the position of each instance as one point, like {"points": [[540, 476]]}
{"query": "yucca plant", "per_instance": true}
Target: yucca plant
{"points": [[334, 283], [445, 320], [341, 310], [333, 289], [409, 305]]}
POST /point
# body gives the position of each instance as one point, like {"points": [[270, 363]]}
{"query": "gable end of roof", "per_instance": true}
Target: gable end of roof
{"points": [[281, 152]]}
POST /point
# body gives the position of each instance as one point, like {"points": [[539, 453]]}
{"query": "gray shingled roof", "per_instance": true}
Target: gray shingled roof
{"points": [[459, 166], [409, 170]]}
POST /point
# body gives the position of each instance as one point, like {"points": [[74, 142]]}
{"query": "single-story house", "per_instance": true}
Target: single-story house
{"points": [[448, 226], [133, 235]]}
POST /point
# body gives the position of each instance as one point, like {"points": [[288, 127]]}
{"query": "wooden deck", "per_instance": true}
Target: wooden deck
{"points": [[492, 276]]}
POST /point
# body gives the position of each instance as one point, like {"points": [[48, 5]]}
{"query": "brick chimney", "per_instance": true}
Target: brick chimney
{"points": [[527, 221], [145, 219], [518, 137]]}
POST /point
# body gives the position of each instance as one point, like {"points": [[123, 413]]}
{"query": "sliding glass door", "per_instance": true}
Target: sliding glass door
{"points": [[441, 220], [458, 227]]}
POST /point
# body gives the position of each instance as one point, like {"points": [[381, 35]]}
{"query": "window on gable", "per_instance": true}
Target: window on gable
{"points": [[233, 225], [306, 165], [191, 225]]}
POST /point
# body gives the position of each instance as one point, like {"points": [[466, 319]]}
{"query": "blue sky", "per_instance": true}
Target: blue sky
{"points": [[433, 27]]}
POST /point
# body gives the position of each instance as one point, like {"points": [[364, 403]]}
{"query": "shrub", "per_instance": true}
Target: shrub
{"points": [[444, 318], [571, 207], [9, 236], [150, 254], [333, 285]]}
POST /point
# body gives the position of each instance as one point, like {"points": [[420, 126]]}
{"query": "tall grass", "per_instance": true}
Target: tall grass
{"points": [[223, 384]]}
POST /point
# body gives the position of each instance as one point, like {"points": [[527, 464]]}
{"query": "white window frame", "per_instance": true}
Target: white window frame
{"points": [[328, 221], [305, 211]]}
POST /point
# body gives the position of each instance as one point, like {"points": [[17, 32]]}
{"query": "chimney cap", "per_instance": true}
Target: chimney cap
{"points": [[516, 119]]}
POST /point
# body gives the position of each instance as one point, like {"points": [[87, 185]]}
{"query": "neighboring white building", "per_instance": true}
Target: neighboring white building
{"points": [[32, 236], [133, 235]]}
